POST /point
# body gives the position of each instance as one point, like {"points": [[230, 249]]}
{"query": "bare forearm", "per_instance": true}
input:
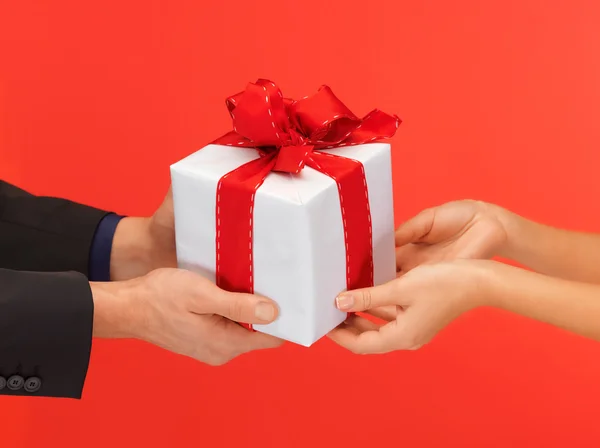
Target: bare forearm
{"points": [[570, 305], [555, 252]]}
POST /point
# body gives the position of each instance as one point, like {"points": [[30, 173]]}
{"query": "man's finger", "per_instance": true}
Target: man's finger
{"points": [[250, 341], [368, 298], [415, 229], [240, 340], [245, 308]]}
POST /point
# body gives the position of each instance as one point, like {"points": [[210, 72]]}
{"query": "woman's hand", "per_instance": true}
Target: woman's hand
{"points": [[478, 230], [456, 230], [415, 306]]}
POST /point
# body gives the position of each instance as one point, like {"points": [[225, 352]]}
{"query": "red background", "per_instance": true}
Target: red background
{"points": [[500, 102]]}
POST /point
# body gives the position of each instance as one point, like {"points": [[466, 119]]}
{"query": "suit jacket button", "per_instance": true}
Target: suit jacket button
{"points": [[33, 384], [15, 382], [2, 382]]}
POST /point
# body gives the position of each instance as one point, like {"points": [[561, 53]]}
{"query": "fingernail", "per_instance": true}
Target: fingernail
{"points": [[264, 311], [344, 301]]}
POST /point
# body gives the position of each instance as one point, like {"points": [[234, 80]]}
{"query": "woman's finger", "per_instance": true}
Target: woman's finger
{"points": [[363, 342], [387, 313], [404, 257], [415, 229], [361, 324], [368, 298]]}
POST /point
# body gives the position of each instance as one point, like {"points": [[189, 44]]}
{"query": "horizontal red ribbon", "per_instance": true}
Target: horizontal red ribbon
{"points": [[288, 135]]}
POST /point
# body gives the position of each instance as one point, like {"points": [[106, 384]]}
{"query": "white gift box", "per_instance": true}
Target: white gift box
{"points": [[299, 250]]}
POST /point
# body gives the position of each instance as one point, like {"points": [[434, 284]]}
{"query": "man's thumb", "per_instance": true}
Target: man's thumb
{"points": [[246, 308]]}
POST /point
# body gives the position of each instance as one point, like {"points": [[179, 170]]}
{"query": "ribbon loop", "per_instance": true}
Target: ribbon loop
{"points": [[376, 125], [264, 119], [323, 116], [259, 114]]}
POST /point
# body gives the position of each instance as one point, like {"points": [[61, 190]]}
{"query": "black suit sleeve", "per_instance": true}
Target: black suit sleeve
{"points": [[46, 319], [46, 322], [44, 233]]}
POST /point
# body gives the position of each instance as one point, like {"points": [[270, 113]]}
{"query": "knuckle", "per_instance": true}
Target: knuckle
{"points": [[217, 357], [217, 360], [367, 299], [396, 287], [236, 310], [403, 344], [358, 350], [274, 343], [408, 339], [266, 342], [234, 352], [408, 343], [428, 223], [210, 361]]}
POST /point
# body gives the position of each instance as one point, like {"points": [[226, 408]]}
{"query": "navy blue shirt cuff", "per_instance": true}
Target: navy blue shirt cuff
{"points": [[99, 263]]}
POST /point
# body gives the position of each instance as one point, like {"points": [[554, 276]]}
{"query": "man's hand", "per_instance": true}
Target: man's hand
{"points": [[143, 244], [184, 313], [455, 230]]}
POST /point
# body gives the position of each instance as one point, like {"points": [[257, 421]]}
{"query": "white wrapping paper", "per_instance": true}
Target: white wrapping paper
{"points": [[299, 250]]}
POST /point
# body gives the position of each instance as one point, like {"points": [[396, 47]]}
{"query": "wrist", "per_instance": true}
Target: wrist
{"points": [[486, 278], [506, 284], [110, 310], [114, 309], [131, 249], [514, 227]]}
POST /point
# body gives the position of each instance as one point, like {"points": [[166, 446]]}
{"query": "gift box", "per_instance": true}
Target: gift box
{"points": [[294, 204]]}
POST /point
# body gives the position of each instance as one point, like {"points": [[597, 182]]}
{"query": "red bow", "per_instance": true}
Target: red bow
{"points": [[288, 131], [288, 135]]}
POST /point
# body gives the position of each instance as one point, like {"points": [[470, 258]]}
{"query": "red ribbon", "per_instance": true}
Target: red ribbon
{"points": [[288, 135]]}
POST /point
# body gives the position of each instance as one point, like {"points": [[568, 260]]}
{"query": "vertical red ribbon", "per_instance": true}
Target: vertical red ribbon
{"points": [[236, 191], [349, 175]]}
